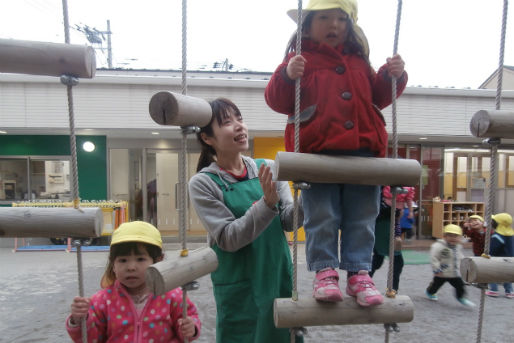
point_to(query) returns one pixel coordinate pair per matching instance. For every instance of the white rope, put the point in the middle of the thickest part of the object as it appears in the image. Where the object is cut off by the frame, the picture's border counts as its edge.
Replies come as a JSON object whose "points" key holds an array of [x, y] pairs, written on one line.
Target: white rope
{"points": [[296, 149], [392, 221], [69, 82], [493, 171], [183, 161]]}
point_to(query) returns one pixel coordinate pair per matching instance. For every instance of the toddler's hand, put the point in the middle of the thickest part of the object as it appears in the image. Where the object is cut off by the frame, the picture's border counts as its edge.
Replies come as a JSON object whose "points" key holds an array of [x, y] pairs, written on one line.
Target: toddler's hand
{"points": [[395, 66], [295, 67], [269, 187], [187, 327], [79, 309]]}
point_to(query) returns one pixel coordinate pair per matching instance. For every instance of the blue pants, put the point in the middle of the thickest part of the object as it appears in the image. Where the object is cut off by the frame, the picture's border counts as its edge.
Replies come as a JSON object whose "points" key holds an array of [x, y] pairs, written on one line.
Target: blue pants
{"points": [[329, 208]]}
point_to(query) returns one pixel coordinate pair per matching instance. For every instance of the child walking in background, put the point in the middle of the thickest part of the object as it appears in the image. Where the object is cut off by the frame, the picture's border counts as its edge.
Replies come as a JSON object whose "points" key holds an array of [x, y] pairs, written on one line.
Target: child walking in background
{"points": [[446, 255], [341, 96], [474, 229], [125, 309], [502, 244]]}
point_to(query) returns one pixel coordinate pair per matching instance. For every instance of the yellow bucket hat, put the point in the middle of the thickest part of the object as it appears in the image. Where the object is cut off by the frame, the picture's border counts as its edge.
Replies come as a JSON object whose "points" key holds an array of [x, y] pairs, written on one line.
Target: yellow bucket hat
{"points": [[348, 6], [137, 231], [504, 221], [452, 228], [476, 216]]}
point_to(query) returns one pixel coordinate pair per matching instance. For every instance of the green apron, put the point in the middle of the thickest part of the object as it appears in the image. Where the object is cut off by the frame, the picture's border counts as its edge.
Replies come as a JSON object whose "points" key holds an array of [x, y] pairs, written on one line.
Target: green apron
{"points": [[248, 280]]}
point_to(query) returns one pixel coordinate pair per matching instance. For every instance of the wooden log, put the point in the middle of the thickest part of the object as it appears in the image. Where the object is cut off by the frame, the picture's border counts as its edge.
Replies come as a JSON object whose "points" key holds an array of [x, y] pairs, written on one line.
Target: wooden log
{"points": [[290, 166], [176, 271], [168, 108], [43, 58], [492, 124], [50, 222], [309, 312], [477, 269]]}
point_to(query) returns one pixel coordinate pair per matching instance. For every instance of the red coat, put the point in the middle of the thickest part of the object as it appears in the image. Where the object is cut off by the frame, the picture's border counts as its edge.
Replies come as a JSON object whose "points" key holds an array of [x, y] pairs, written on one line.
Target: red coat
{"points": [[340, 99]]}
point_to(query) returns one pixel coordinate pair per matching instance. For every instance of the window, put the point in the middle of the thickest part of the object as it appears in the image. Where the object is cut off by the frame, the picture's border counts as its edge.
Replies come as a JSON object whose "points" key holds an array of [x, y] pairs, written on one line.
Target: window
{"points": [[46, 177]]}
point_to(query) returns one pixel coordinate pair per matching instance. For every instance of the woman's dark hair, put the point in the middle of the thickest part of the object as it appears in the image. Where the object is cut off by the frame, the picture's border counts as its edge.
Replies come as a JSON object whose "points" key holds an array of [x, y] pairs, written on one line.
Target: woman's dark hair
{"points": [[351, 45], [221, 108]]}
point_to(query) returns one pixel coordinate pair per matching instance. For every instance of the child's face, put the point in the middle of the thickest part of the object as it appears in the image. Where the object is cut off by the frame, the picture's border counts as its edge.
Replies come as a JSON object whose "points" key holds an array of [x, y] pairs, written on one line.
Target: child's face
{"points": [[130, 270], [329, 27], [452, 238], [475, 223]]}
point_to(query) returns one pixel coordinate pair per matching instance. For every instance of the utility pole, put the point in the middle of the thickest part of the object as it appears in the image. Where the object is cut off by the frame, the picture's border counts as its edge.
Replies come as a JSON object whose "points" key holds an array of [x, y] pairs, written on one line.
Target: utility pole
{"points": [[109, 46], [95, 36]]}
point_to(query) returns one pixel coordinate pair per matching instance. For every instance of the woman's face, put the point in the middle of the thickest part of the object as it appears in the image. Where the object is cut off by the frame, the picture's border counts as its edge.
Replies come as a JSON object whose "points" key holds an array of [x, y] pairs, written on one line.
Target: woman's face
{"points": [[230, 136], [329, 27]]}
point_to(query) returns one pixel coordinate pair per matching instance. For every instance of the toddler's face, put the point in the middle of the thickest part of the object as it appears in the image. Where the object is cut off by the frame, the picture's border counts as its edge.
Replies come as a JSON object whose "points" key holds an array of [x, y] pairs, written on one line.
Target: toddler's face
{"points": [[130, 270], [329, 27], [452, 238], [475, 223]]}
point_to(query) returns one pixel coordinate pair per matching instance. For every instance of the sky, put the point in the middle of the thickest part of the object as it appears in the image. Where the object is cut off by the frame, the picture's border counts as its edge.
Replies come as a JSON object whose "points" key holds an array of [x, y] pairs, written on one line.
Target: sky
{"points": [[445, 43]]}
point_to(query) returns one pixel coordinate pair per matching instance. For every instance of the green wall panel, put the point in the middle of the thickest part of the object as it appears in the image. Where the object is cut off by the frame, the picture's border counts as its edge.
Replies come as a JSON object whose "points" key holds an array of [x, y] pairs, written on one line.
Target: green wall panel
{"points": [[92, 166]]}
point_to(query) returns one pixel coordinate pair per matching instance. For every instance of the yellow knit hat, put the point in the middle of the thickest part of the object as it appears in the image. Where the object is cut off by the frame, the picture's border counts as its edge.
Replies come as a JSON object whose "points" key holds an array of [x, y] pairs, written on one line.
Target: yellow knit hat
{"points": [[452, 228], [348, 6], [137, 231]]}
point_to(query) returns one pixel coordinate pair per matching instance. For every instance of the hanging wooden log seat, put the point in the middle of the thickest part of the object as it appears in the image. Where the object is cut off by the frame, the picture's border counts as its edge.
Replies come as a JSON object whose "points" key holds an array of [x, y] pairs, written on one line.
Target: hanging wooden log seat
{"points": [[291, 166], [43, 58]]}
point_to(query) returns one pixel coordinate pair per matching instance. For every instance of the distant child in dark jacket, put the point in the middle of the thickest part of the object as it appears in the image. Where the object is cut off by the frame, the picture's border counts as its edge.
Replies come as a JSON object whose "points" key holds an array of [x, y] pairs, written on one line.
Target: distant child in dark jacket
{"points": [[446, 255], [502, 244]]}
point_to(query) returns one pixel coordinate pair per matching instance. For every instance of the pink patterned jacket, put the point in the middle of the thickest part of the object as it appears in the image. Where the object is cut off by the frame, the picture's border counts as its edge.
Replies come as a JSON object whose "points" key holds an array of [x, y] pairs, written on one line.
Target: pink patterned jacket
{"points": [[113, 318]]}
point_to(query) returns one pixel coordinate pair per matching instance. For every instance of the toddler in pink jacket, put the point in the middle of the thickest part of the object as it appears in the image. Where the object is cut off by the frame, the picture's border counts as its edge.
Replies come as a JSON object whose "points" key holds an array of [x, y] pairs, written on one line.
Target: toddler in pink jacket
{"points": [[125, 310]]}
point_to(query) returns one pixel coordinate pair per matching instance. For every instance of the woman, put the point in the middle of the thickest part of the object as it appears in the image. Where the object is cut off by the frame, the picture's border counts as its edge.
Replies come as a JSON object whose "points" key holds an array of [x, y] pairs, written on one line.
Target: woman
{"points": [[245, 213]]}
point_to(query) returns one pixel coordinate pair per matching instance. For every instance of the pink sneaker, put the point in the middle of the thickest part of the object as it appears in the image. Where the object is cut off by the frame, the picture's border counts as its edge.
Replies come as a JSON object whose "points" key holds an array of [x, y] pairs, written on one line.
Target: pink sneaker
{"points": [[490, 293], [326, 287], [362, 287], [509, 295]]}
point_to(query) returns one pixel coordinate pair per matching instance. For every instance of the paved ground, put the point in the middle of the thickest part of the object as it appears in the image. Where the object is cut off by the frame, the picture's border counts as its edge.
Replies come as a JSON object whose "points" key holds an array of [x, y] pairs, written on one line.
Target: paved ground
{"points": [[36, 289]]}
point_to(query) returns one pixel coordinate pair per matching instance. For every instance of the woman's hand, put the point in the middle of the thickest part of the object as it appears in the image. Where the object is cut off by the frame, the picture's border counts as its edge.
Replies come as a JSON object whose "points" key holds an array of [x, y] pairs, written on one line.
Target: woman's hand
{"points": [[269, 187], [79, 309], [395, 66], [295, 67], [187, 327]]}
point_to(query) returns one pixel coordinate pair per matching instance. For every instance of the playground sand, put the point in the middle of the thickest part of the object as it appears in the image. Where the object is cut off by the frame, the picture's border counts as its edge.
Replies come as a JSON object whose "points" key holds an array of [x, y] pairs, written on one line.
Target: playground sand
{"points": [[36, 289]]}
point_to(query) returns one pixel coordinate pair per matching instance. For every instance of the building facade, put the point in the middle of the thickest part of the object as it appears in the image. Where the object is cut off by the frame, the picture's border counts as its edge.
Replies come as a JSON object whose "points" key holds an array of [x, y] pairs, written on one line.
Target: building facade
{"points": [[135, 159]]}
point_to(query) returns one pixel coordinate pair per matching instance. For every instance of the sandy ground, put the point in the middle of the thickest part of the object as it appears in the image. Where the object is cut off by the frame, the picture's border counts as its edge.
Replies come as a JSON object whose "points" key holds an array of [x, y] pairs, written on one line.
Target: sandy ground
{"points": [[36, 289]]}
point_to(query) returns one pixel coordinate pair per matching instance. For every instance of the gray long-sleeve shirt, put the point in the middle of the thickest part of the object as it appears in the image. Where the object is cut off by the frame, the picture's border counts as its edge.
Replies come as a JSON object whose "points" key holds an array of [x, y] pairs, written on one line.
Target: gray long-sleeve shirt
{"points": [[229, 233]]}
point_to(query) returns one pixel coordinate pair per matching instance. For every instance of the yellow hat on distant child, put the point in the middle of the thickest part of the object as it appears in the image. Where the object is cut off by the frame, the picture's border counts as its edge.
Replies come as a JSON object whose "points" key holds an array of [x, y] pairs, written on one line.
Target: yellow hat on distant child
{"points": [[504, 221], [452, 228], [476, 216], [137, 231]]}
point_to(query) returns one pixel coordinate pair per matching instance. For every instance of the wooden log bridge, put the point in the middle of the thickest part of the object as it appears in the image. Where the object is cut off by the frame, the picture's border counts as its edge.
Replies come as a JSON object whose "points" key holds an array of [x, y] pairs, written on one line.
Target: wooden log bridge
{"points": [[309, 312], [291, 166], [168, 108], [43, 58], [477, 269], [176, 271], [492, 124], [50, 222]]}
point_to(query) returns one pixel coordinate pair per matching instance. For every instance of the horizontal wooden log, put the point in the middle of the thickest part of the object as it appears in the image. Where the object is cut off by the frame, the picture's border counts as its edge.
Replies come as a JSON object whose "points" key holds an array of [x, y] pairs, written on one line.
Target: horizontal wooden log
{"points": [[43, 58], [50, 222], [477, 269], [492, 124], [290, 166], [168, 108], [309, 312], [176, 271]]}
